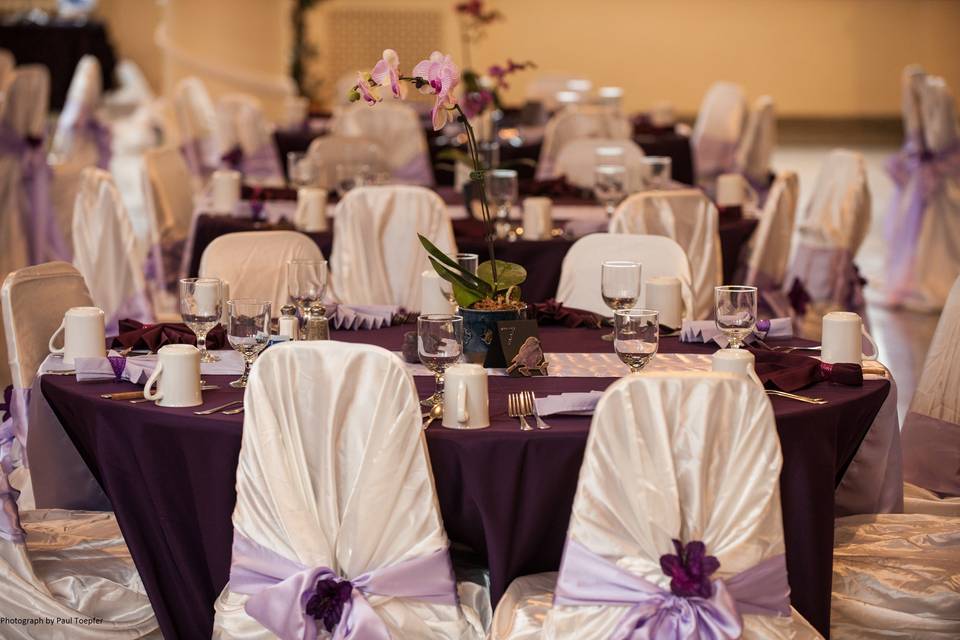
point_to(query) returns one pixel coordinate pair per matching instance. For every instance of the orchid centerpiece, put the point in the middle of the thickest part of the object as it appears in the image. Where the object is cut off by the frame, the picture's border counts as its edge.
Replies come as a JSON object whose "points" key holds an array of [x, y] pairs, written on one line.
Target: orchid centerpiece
{"points": [[495, 286]]}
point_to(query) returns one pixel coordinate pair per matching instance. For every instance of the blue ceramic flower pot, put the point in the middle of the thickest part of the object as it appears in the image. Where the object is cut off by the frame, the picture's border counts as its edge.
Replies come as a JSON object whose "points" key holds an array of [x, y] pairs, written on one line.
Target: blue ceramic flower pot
{"points": [[480, 330]]}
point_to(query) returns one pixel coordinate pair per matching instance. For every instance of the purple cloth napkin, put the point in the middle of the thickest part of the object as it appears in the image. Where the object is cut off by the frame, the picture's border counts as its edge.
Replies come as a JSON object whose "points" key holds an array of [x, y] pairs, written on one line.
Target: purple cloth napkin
{"points": [[791, 371], [553, 312], [137, 335]]}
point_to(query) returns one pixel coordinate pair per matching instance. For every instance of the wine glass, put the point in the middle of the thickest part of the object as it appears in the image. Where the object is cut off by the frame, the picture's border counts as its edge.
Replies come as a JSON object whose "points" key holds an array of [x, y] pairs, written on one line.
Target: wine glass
{"points": [[306, 283], [468, 262], [346, 178], [248, 331], [301, 170], [638, 335], [736, 312], [439, 344], [655, 172], [610, 186], [200, 308], [620, 286], [503, 193]]}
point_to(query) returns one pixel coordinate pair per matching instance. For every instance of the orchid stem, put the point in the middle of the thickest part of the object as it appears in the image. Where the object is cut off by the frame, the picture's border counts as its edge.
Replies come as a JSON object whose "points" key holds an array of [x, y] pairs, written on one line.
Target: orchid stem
{"points": [[478, 169]]}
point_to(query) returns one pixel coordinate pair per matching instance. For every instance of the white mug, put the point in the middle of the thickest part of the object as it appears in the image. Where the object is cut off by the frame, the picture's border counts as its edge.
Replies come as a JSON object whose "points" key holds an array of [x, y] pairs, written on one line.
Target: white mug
{"points": [[736, 361], [432, 298], [465, 401], [83, 335], [537, 218], [663, 294], [731, 190], [177, 377], [311, 213], [842, 338], [225, 187]]}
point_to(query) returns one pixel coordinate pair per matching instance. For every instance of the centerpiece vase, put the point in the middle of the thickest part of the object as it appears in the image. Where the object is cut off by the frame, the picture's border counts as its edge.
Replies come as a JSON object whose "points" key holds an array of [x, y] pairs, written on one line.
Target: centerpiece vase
{"points": [[480, 329]]}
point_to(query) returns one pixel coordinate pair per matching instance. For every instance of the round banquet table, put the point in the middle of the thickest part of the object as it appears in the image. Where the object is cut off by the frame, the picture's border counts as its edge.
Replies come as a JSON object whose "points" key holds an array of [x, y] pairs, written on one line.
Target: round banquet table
{"points": [[505, 493]]}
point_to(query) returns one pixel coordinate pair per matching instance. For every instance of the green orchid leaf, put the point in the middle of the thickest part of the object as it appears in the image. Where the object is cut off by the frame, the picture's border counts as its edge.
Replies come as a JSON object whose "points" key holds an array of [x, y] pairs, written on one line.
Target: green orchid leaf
{"points": [[508, 274], [483, 291], [435, 254], [465, 297]]}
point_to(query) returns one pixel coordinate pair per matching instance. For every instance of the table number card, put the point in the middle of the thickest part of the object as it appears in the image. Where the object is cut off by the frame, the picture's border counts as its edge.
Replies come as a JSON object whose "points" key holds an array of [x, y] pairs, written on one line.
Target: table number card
{"points": [[520, 349]]}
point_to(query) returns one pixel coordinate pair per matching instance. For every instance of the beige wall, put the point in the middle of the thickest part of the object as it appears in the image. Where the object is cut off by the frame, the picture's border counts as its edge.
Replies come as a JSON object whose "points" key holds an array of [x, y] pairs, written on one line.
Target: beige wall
{"points": [[132, 24]]}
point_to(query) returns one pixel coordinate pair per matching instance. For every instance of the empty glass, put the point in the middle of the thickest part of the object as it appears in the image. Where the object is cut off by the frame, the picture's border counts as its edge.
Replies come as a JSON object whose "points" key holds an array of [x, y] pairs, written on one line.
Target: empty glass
{"points": [[248, 331], [439, 344], [301, 170], [638, 336], [306, 283], [502, 185], [610, 186], [655, 173], [620, 284], [736, 312], [468, 262], [200, 308], [489, 154]]}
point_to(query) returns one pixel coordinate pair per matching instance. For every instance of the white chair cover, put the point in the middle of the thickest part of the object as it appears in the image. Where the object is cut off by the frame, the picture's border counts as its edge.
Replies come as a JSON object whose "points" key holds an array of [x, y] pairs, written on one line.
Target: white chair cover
{"points": [[577, 161], [80, 138], [377, 257], [169, 192], [396, 127], [197, 122], [770, 245], [574, 124], [688, 217], [133, 90], [255, 262], [247, 138], [580, 274], [758, 143], [329, 152], [338, 478], [923, 224], [105, 251], [717, 131], [544, 87], [701, 452]]}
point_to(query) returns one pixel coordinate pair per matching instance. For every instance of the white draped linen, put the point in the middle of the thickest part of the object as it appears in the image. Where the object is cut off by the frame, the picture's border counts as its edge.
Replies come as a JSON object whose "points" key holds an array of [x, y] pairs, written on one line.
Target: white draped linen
{"points": [[718, 130], [757, 145], [577, 161], [574, 124], [688, 217], [337, 478], [247, 138], [326, 153], [196, 120], [700, 451], [770, 244], [377, 257], [579, 286], [168, 198], [79, 137]]}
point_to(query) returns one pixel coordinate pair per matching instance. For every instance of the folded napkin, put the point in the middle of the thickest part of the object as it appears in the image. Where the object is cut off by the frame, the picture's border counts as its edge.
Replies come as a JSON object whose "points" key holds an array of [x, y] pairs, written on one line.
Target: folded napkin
{"points": [[706, 330], [137, 335], [361, 316], [574, 403], [791, 371], [553, 312]]}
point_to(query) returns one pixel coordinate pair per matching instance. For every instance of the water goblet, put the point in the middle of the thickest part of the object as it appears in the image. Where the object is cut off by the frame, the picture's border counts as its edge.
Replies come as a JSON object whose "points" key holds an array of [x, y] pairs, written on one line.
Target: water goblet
{"points": [[301, 170], [248, 331], [736, 312], [200, 308], [468, 262], [620, 284], [306, 283], [439, 344], [502, 184], [638, 336], [610, 186]]}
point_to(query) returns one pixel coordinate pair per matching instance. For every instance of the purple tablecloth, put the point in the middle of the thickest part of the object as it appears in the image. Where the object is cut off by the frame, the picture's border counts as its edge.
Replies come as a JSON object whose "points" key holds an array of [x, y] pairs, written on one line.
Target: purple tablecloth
{"points": [[505, 493]]}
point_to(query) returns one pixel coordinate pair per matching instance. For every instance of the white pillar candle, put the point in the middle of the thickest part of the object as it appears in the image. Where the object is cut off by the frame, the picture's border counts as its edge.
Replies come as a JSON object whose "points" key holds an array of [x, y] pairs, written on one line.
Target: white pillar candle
{"points": [[537, 218], [432, 299], [663, 294], [207, 296], [730, 190], [311, 214], [225, 189]]}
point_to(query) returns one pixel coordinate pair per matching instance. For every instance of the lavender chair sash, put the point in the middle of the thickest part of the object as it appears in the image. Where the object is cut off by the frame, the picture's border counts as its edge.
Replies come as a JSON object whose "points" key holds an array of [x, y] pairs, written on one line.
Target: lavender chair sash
{"points": [[931, 453], [46, 242], [587, 579], [102, 138], [285, 595], [13, 428]]}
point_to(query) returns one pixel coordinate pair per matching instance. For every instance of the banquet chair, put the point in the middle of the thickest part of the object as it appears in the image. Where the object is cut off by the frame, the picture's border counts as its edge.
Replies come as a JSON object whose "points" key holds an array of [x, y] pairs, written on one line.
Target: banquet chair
{"points": [[828, 234], [397, 127], [580, 274], [574, 124], [255, 262], [336, 484], [196, 121], [701, 452], [717, 131], [758, 143], [691, 219], [770, 245], [328, 152], [923, 223], [105, 251], [377, 257], [133, 89], [247, 138], [577, 161], [168, 200]]}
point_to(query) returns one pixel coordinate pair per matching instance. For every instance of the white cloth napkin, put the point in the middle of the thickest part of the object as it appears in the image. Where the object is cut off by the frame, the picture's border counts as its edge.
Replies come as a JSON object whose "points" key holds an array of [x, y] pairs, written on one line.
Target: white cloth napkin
{"points": [[572, 403], [361, 316], [706, 330], [138, 368]]}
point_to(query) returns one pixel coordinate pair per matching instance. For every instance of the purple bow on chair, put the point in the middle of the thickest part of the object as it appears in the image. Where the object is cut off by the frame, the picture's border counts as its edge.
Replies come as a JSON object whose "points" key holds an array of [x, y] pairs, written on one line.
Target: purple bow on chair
{"points": [[695, 607], [103, 138], [286, 597]]}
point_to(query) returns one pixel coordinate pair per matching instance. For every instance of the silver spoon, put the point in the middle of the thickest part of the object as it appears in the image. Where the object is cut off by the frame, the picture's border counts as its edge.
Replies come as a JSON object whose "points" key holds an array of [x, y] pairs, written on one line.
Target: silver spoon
{"points": [[436, 411]]}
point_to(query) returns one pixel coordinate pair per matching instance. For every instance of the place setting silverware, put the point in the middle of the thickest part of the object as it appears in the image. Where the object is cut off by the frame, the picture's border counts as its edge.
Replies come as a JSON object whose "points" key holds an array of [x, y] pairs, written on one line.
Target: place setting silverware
{"points": [[794, 396], [211, 411], [516, 408], [530, 403], [135, 397], [436, 411]]}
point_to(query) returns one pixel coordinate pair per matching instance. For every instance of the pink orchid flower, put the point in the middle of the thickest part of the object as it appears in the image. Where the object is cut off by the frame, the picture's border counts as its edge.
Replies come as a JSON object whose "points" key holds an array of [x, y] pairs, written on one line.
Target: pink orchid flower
{"points": [[441, 76], [369, 94], [388, 69]]}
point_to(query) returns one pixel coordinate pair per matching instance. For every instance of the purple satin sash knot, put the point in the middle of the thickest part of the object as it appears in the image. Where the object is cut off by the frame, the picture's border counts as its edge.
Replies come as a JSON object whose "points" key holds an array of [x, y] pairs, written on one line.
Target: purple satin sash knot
{"points": [[286, 596], [103, 139], [587, 579]]}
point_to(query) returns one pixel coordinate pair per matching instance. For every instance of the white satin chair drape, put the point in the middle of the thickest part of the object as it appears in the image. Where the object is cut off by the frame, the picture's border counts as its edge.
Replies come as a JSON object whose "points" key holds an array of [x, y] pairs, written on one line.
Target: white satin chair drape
{"points": [[255, 263], [168, 200], [243, 127], [759, 140], [669, 456], [580, 274], [196, 120], [340, 478], [691, 219], [770, 245], [577, 161], [377, 257], [326, 153], [574, 124], [718, 130]]}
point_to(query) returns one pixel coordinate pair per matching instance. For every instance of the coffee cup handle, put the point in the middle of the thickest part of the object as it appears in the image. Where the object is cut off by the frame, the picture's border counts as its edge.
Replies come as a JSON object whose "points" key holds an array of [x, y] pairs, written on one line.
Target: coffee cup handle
{"points": [[873, 345], [147, 394], [57, 350], [462, 416]]}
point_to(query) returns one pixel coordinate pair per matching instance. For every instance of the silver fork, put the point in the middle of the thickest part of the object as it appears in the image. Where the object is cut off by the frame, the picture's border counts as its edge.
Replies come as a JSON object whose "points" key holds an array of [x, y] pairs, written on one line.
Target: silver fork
{"points": [[207, 412], [793, 396], [515, 409], [530, 403]]}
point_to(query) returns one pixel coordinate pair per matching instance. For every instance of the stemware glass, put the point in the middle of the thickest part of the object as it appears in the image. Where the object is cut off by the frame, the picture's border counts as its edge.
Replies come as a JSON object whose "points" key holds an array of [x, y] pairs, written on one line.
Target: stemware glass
{"points": [[346, 178], [503, 192], [200, 308], [248, 331], [620, 286], [301, 170], [638, 336], [655, 172], [610, 186], [468, 262], [306, 283], [736, 312], [489, 154], [439, 344]]}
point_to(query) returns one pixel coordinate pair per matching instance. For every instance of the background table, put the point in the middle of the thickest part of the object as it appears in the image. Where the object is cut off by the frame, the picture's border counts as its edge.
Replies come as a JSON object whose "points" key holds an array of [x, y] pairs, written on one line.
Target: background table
{"points": [[505, 493]]}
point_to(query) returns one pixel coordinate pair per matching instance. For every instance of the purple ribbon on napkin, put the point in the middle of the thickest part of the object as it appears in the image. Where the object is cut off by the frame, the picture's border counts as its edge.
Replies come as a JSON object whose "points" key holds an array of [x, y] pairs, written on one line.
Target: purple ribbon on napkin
{"points": [[587, 579], [285, 595]]}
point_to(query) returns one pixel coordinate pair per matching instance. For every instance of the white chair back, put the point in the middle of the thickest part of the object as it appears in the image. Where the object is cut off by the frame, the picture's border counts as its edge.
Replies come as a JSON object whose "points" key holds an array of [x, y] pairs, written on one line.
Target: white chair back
{"points": [[580, 274], [770, 247], [134, 88], [691, 219], [910, 80], [396, 126], [718, 129], [938, 390], [197, 123], [838, 212], [938, 112], [758, 142], [26, 101], [255, 262], [168, 192], [329, 152], [575, 124], [242, 123], [338, 478], [377, 257], [73, 142], [577, 161]]}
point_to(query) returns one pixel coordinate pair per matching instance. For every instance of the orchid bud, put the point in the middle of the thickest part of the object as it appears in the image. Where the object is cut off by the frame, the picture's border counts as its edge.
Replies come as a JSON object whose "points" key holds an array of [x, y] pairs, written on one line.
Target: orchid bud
{"points": [[353, 95]]}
